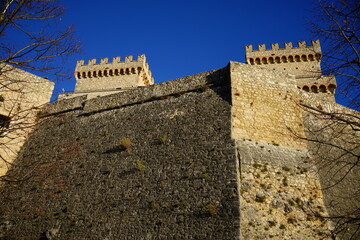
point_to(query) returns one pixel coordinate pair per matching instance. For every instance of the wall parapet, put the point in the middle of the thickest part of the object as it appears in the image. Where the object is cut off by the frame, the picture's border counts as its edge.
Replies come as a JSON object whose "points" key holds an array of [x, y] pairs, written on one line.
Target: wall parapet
{"points": [[313, 49], [314, 44], [139, 95], [115, 60], [114, 68]]}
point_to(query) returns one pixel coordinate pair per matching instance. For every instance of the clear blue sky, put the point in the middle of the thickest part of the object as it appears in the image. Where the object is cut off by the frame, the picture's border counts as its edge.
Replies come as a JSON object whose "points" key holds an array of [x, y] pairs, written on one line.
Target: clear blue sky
{"points": [[185, 37]]}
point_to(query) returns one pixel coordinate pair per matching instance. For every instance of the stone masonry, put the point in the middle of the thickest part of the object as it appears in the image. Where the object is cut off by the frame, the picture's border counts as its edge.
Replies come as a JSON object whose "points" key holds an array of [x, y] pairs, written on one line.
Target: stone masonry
{"points": [[130, 168], [216, 155]]}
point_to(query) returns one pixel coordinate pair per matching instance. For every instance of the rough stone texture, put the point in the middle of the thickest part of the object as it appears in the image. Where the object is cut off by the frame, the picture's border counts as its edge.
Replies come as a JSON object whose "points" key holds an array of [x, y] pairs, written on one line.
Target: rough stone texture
{"points": [[63, 106], [22, 95], [257, 95], [161, 169], [92, 94], [159, 162], [280, 191], [334, 147], [140, 95]]}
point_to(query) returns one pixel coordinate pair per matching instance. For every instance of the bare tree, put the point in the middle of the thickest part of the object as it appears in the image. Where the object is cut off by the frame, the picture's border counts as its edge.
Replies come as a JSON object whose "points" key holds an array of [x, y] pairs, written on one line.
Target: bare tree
{"points": [[333, 131], [33, 39], [337, 24], [32, 36]]}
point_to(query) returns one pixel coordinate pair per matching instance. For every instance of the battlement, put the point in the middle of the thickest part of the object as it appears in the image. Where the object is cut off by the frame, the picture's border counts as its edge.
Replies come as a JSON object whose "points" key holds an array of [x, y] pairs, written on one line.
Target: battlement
{"points": [[115, 61], [314, 47], [116, 67], [302, 61], [289, 54]]}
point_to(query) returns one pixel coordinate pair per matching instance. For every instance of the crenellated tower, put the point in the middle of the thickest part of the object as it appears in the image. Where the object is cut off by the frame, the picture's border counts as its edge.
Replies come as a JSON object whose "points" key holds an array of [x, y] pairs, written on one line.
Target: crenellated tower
{"points": [[99, 79], [302, 61]]}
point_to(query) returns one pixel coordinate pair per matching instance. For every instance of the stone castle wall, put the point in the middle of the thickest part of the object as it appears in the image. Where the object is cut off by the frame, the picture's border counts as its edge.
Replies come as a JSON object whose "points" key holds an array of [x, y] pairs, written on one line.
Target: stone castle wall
{"points": [[160, 162], [151, 163], [92, 94], [334, 147], [281, 195], [280, 188]]}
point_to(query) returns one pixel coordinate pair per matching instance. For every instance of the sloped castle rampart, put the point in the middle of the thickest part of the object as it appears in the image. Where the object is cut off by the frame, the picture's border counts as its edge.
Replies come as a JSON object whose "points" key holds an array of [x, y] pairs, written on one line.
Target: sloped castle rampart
{"points": [[174, 178]]}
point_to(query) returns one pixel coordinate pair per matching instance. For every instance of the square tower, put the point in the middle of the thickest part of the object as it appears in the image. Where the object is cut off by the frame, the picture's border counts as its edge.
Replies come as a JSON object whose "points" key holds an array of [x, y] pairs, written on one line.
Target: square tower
{"points": [[302, 61], [99, 79]]}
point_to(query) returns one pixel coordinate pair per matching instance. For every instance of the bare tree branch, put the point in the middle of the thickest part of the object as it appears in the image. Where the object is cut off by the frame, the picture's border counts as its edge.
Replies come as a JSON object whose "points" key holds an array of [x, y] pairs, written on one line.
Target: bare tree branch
{"points": [[32, 38]]}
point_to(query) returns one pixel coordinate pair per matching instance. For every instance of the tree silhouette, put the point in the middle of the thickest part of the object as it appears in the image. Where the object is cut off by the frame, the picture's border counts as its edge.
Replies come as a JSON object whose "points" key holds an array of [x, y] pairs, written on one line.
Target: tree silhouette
{"points": [[32, 40]]}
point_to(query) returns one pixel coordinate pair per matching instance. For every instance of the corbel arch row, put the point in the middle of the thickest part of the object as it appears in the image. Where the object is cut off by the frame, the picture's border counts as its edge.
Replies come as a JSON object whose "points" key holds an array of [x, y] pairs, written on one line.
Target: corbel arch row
{"points": [[285, 59], [319, 88], [108, 72]]}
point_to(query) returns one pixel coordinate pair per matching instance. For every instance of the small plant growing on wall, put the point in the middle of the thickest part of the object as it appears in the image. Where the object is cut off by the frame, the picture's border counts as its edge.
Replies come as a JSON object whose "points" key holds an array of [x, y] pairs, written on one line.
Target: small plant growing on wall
{"points": [[286, 169], [154, 205], [205, 88], [162, 139], [212, 209], [260, 199], [125, 143], [272, 223], [140, 165]]}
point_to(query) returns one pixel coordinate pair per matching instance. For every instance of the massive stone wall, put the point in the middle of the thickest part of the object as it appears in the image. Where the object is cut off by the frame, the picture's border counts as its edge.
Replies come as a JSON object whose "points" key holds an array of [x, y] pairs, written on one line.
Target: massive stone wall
{"points": [[281, 196], [156, 165], [160, 162], [334, 144]]}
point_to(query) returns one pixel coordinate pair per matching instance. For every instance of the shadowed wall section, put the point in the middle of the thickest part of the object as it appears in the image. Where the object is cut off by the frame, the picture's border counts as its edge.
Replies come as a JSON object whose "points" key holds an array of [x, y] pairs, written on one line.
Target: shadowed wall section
{"points": [[162, 166]]}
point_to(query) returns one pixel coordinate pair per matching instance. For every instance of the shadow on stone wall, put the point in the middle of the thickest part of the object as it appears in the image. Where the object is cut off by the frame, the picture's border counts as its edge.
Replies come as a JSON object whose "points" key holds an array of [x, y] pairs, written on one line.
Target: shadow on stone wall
{"points": [[164, 168], [335, 148]]}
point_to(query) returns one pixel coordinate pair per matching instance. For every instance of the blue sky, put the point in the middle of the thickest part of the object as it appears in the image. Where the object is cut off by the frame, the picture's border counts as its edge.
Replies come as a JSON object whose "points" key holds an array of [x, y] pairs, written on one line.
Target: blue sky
{"points": [[181, 38]]}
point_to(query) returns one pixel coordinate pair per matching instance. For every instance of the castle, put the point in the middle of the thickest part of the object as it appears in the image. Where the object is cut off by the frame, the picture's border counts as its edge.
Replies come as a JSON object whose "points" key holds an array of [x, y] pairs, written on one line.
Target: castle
{"points": [[223, 154]]}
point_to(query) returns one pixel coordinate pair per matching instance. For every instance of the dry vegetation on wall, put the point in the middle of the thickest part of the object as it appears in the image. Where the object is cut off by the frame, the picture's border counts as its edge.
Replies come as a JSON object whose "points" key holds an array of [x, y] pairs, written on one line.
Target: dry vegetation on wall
{"points": [[40, 41]]}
